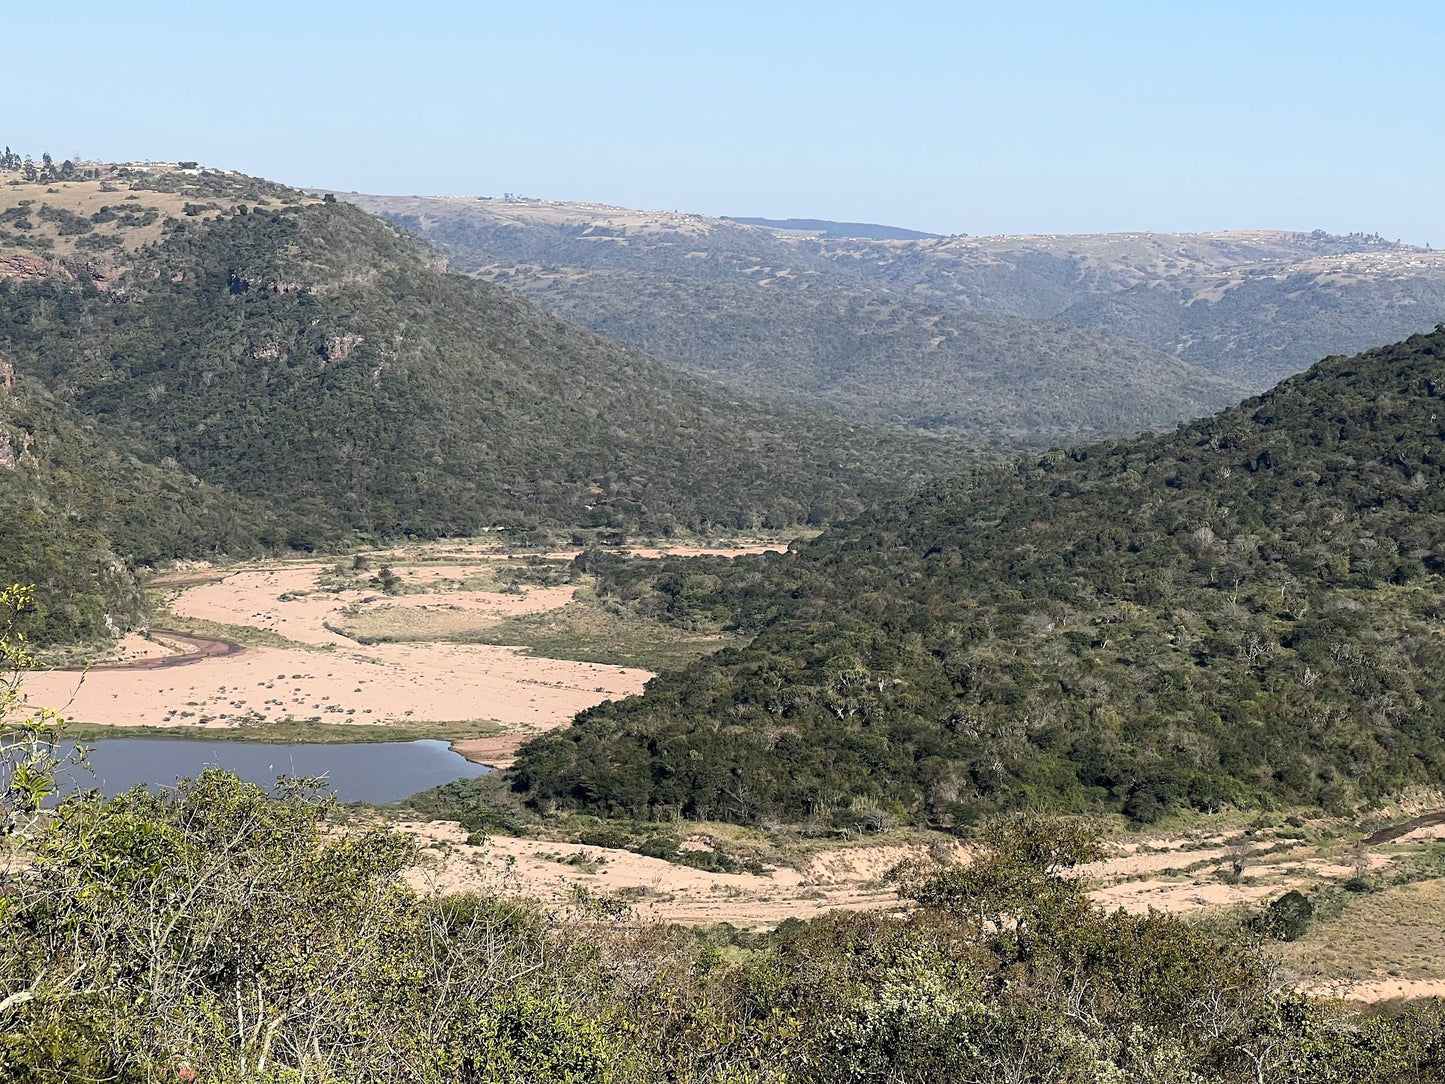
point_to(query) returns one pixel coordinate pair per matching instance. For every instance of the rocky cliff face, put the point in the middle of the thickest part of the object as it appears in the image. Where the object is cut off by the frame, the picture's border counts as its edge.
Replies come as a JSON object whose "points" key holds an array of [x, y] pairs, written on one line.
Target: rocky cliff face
{"points": [[15, 266], [16, 445]]}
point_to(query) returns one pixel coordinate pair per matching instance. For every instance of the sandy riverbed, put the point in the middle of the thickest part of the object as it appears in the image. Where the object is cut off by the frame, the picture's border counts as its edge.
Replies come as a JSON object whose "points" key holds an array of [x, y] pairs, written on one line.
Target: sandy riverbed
{"points": [[324, 676]]}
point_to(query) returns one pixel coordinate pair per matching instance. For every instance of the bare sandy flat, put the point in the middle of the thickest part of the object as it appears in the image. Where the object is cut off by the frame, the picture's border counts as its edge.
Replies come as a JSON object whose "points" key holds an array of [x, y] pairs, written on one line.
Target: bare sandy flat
{"points": [[298, 664], [392, 683], [288, 601], [330, 678]]}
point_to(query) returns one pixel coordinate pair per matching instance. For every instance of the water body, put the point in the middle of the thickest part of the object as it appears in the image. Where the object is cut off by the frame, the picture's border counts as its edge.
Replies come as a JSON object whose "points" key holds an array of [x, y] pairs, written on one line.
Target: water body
{"points": [[373, 772]]}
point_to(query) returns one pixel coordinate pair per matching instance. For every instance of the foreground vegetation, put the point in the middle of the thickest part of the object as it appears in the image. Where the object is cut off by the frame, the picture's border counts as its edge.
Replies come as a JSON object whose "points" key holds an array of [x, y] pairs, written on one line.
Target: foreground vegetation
{"points": [[216, 934], [1241, 613]]}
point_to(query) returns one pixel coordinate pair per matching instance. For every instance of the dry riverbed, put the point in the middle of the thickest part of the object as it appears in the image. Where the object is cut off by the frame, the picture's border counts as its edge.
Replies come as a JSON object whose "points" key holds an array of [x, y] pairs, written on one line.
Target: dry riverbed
{"points": [[300, 647]]}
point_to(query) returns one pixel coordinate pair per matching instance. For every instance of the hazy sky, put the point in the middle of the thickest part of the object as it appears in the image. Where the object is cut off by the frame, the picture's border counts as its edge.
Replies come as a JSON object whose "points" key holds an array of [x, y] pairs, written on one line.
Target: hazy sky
{"points": [[951, 117]]}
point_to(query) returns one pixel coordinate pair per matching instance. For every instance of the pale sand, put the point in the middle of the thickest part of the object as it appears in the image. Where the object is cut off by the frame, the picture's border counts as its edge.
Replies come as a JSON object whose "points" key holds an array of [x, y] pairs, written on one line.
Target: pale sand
{"points": [[134, 647], [388, 683], [656, 890], [1385, 988], [343, 682], [258, 598], [1177, 876]]}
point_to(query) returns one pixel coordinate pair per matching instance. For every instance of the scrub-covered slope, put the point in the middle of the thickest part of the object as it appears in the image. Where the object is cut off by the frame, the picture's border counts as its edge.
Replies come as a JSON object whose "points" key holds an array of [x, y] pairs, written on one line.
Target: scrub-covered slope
{"points": [[307, 355], [780, 313], [1247, 610], [280, 370]]}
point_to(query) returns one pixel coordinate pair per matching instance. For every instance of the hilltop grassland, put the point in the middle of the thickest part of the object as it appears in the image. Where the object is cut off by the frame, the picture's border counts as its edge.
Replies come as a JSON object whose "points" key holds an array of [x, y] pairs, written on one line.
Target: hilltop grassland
{"points": [[111, 217]]}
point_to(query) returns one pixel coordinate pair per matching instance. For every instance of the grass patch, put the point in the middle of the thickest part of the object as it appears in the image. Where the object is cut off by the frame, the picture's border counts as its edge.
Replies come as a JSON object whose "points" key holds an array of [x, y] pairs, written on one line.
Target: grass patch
{"points": [[246, 635], [582, 631], [1394, 931], [412, 624]]}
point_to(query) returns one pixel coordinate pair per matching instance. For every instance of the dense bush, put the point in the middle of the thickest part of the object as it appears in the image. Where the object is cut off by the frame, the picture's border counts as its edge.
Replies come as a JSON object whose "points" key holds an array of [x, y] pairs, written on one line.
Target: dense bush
{"points": [[1241, 612], [299, 376], [310, 358]]}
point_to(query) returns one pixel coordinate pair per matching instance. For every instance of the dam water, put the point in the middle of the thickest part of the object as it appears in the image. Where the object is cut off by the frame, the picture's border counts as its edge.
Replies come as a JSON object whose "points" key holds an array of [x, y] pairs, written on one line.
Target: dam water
{"points": [[371, 772]]}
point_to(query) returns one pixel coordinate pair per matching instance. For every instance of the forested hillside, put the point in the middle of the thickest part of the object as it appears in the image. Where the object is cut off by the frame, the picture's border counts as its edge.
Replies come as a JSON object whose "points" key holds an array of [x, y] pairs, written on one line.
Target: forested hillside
{"points": [[1252, 305], [774, 313], [327, 380], [81, 513], [1245, 611], [878, 357]]}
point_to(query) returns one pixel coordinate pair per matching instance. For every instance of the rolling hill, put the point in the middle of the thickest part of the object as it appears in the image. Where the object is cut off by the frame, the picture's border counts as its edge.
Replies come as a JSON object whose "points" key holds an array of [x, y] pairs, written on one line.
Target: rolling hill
{"points": [[297, 355], [877, 357], [1246, 612], [775, 312], [1166, 326]]}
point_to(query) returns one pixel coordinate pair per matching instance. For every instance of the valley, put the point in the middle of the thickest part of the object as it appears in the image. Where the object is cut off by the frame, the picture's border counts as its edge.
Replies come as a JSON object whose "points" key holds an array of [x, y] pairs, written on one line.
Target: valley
{"points": [[812, 649], [319, 651]]}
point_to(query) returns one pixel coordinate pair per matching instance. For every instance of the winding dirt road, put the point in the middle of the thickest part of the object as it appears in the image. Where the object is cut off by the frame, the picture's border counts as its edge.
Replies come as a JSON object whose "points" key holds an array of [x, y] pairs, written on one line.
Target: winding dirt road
{"points": [[200, 647]]}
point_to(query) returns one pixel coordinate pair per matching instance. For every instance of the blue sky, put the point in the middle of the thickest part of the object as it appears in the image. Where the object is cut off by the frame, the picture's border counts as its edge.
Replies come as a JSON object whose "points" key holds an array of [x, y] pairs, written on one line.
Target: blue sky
{"points": [[952, 117]]}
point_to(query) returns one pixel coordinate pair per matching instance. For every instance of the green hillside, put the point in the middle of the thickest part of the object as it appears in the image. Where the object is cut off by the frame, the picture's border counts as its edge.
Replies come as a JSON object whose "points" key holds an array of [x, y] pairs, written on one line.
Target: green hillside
{"points": [[300, 357], [884, 358], [81, 513], [310, 357], [1245, 611], [1165, 325]]}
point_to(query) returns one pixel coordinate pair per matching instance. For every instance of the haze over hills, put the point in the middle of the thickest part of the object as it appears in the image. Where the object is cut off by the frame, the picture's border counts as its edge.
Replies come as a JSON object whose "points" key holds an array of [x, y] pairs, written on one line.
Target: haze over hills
{"points": [[1243, 612], [769, 311], [824, 228], [297, 353], [1184, 324]]}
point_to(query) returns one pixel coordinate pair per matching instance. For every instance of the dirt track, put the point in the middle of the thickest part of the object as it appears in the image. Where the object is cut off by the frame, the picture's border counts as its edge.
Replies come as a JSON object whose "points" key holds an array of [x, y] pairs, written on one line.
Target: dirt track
{"points": [[1396, 831], [201, 647]]}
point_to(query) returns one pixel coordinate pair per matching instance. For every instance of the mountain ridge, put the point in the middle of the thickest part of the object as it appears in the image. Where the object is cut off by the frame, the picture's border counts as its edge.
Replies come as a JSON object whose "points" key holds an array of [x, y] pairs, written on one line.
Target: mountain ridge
{"points": [[703, 281], [1252, 306]]}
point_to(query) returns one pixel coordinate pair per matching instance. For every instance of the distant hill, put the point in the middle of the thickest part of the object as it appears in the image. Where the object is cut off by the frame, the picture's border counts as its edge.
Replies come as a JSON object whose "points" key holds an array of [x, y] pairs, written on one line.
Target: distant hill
{"points": [[1243, 612], [1255, 306], [821, 226], [773, 312], [297, 355], [882, 357], [1250, 306]]}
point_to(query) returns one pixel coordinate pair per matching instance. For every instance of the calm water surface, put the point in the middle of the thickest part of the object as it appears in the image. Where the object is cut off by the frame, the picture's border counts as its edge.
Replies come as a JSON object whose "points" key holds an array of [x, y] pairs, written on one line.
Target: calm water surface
{"points": [[374, 772]]}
